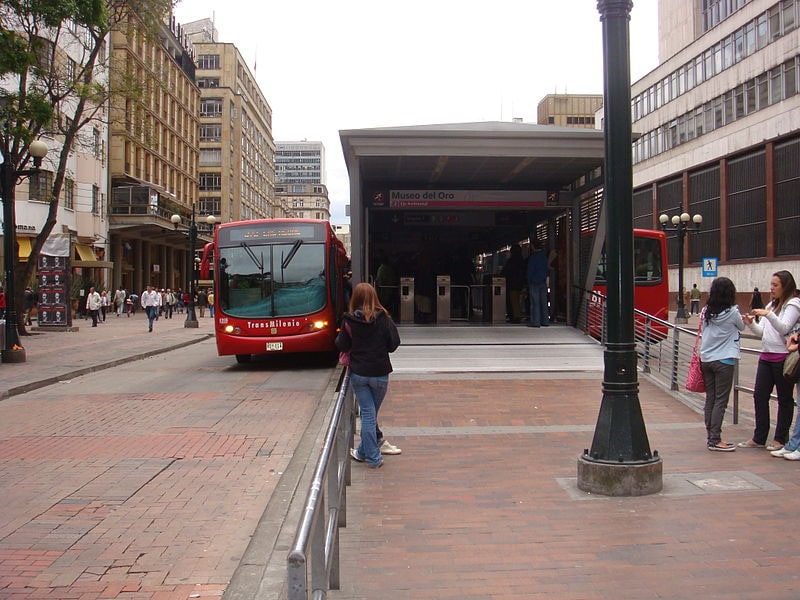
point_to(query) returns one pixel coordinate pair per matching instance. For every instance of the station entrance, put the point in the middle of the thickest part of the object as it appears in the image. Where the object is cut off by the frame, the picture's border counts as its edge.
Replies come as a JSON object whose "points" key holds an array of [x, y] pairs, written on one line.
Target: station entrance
{"points": [[435, 210]]}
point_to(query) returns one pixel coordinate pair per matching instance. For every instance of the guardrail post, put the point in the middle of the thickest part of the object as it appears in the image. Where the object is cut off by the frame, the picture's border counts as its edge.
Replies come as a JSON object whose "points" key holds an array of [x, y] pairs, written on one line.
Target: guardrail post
{"points": [[736, 393], [646, 358], [675, 359]]}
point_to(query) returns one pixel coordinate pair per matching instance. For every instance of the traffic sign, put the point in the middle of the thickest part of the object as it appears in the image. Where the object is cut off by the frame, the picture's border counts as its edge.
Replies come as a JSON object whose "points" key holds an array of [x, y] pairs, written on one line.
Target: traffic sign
{"points": [[709, 267]]}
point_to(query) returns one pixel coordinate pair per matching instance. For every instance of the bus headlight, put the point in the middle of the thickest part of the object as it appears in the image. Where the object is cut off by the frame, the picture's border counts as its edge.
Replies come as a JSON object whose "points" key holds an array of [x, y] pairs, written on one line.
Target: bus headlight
{"points": [[320, 324], [232, 329]]}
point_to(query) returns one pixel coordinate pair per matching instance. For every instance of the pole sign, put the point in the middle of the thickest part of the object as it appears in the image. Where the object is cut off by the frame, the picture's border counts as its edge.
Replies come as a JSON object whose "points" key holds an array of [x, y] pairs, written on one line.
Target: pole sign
{"points": [[709, 267]]}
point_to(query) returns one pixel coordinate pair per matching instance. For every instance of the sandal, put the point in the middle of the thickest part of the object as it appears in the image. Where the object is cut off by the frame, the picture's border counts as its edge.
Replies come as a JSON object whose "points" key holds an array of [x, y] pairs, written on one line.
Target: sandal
{"points": [[772, 446], [722, 447], [749, 444]]}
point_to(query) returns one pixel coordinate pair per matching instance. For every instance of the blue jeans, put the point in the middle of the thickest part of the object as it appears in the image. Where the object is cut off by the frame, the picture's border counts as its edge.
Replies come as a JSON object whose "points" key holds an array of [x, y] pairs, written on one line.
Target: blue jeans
{"points": [[152, 313], [537, 293], [369, 392], [794, 443]]}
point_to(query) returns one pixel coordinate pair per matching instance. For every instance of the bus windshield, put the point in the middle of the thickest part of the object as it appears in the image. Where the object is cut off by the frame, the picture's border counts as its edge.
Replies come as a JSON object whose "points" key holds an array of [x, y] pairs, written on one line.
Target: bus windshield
{"points": [[647, 261], [272, 280]]}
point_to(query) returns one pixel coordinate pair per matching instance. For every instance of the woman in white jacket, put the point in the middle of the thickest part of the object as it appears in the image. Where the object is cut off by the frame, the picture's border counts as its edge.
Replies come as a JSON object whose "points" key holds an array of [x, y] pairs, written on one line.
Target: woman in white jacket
{"points": [[780, 316]]}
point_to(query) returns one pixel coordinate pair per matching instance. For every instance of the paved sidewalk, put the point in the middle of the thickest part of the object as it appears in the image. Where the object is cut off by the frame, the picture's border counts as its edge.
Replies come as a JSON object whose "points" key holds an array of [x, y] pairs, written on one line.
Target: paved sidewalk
{"points": [[53, 356], [483, 502]]}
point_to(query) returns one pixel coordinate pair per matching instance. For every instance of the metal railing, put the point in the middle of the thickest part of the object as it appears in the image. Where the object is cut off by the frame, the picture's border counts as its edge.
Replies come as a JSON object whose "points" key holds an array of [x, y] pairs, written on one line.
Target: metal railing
{"points": [[664, 350], [315, 550]]}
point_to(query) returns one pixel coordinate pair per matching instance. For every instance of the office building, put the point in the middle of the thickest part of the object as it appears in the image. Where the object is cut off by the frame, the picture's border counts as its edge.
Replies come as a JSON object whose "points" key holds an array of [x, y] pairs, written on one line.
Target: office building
{"points": [[719, 127], [569, 110], [300, 162], [237, 150], [304, 200]]}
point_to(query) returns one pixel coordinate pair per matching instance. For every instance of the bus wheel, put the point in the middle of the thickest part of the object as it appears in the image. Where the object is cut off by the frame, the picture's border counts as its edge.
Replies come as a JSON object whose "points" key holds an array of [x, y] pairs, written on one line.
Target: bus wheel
{"points": [[243, 358]]}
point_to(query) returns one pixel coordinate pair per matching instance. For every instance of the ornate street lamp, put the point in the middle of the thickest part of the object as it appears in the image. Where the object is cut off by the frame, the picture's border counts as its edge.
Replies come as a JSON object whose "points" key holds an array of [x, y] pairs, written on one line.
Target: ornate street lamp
{"points": [[191, 234], [681, 225], [620, 462], [12, 351]]}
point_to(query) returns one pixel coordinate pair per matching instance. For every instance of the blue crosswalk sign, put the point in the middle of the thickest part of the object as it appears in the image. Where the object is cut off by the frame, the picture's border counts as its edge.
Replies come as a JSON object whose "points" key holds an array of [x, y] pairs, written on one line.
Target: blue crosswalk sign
{"points": [[709, 267]]}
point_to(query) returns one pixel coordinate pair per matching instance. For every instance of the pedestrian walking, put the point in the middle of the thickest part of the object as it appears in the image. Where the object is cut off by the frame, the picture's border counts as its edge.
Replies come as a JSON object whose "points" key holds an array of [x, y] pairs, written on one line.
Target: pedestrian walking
{"points": [[719, 351], [119, 300], [151, 301], [202, 302], [781, 315], [29, 298], [210, 299], [169, 307], [756, 302], [105, 302], [93, 303], [369, 335]]}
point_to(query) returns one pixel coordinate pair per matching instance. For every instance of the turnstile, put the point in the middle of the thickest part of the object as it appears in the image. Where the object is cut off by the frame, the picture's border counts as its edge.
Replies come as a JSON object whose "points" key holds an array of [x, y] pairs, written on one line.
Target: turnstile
{"points": [[406, 300], [494, 299], [443, 298]]}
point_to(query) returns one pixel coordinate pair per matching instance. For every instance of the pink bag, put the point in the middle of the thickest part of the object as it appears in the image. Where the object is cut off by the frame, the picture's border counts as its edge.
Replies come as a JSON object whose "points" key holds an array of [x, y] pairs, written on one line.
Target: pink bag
{"points": [[344, 357], [694, 375]]}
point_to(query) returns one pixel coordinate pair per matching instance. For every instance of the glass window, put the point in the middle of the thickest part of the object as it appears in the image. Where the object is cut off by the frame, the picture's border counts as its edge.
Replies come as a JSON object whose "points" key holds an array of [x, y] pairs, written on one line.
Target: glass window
{"points": [[276, 280], [211, 107], [776, 84], [788, 8], [208, 61]]}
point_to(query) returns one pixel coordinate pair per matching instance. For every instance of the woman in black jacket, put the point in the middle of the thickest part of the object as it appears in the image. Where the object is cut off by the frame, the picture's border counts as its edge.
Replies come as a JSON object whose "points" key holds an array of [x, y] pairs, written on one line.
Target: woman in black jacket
{"points": [[369, 335]]}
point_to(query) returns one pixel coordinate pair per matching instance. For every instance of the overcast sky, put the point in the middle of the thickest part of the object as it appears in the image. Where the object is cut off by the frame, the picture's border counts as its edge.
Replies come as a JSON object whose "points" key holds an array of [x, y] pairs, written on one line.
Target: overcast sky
{"points": [[325, 66]]}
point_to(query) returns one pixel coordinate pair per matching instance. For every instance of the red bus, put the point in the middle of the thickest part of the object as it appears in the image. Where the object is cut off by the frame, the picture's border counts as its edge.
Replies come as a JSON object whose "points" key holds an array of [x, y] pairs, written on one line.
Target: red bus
{"points": [[651, 277], [279, 286]]}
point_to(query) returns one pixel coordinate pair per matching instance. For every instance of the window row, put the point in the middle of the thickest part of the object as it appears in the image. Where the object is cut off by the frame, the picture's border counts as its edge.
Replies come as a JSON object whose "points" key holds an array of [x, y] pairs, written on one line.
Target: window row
{"points": [[756, 94], [716, 11], [770, 25]]}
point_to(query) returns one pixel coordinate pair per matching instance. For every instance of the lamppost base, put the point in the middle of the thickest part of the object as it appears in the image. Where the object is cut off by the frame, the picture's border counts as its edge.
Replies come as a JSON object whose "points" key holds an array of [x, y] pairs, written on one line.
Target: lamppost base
{"points": [[620, 479], [192, 323], [13, 355], [681, 318]]}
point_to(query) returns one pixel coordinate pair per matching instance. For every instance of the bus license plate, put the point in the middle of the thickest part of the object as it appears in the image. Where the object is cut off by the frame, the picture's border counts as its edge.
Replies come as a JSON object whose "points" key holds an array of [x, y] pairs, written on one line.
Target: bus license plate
{"points": [[274, 346]]}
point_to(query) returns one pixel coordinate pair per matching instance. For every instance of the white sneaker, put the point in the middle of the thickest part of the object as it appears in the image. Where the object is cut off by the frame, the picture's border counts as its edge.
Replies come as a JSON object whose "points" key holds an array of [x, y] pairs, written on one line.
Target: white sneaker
{"points": [[387, 448], [792, 455], [781, 452]]}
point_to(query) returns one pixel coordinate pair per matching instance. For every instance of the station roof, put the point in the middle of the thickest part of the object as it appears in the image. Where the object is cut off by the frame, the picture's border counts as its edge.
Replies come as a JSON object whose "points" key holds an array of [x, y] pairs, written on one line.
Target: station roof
{"points": [[493, 154]]}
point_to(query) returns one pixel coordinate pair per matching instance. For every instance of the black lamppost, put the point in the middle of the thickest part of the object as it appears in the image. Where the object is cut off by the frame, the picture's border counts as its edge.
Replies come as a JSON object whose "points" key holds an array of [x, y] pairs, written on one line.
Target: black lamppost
{"points": [[191, 234], [12, 351], [681, 225], [619, 462]]}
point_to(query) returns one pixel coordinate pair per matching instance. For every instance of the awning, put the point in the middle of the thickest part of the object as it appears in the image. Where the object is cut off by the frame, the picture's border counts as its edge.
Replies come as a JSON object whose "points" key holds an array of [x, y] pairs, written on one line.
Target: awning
{"points": [[25, 247], [85, 253]]}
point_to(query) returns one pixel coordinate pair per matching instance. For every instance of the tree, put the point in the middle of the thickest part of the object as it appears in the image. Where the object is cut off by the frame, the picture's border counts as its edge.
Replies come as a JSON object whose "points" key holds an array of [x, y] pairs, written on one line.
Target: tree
{"points": [[54, 74]]}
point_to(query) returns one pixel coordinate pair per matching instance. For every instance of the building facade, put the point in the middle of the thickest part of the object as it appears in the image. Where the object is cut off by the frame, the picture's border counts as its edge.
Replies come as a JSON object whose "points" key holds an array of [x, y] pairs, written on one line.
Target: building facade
{"points": [[569, 110], [300, 162], [719, 127], [153, 154], [304, 200], [237, 150]]}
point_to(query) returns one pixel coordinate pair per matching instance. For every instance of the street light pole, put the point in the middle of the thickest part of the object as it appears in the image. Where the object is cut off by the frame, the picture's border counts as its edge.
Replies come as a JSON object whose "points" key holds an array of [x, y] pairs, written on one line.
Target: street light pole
{"points": [[191, 234], [680, 225], [12, 351]]}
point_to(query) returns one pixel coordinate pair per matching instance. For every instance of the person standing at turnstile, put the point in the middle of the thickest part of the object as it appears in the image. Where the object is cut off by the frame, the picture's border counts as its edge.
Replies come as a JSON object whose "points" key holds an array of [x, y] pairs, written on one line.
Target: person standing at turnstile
{"points": [[514, 272], [537, 285]]}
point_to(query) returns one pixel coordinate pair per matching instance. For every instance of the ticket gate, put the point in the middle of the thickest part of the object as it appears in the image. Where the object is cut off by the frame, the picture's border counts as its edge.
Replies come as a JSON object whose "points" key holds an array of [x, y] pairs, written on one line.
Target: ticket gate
{"points": [[443, 299], [494, 299], [407, 300]]}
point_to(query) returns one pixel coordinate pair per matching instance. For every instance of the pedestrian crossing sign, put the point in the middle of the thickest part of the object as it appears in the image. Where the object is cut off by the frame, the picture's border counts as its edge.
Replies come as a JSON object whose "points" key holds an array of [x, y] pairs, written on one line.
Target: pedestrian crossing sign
{"points": [[709, 267]]}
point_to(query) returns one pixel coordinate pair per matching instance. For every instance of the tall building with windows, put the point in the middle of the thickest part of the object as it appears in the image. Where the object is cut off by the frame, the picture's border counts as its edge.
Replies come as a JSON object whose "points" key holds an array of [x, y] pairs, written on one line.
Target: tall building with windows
{"points": [[719, 126], [304, 200], [237, 151], [569, 110], [153, 154], [300, 162]]}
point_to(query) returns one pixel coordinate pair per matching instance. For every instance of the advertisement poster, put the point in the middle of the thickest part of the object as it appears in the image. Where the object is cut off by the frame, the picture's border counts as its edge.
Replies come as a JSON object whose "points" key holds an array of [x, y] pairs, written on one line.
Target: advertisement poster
{"points": [[54, 301]]}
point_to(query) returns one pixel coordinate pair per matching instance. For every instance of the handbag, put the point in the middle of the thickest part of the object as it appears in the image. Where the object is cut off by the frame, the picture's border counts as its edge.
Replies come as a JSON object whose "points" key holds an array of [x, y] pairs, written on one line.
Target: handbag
{"points": [[791, 367], [694, 375], [344, 357]]}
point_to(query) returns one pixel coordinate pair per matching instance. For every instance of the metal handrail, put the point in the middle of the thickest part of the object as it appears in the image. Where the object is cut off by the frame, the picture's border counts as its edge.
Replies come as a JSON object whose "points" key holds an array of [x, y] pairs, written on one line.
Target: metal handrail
{"points": [[664, 349], [316, 542]]}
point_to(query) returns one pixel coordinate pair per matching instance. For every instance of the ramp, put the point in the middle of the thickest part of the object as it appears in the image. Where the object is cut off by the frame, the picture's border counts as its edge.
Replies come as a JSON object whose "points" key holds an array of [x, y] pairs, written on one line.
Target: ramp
{"points": [[495, 349]]}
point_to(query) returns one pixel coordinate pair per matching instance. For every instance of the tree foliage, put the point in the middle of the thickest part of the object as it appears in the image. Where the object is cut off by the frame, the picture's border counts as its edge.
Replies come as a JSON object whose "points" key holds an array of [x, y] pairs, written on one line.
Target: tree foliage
{"points": [[54, 74]]}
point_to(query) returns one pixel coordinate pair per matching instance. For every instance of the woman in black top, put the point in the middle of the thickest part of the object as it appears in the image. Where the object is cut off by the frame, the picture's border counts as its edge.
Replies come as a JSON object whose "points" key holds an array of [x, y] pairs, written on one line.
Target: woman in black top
{"points": [[369, 335]]}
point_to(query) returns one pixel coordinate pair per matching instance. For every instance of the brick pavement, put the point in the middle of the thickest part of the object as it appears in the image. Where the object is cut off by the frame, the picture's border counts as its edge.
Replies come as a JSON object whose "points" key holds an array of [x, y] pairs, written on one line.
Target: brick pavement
{"points": [[483, 503]]}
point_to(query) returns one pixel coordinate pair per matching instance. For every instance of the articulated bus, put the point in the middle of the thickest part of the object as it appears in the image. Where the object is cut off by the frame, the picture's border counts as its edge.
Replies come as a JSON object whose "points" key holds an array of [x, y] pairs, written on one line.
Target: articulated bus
{"points": [[279, 286], [651, 281]]}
